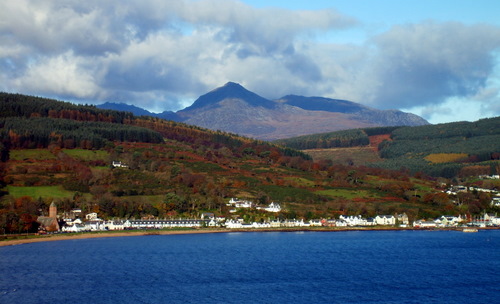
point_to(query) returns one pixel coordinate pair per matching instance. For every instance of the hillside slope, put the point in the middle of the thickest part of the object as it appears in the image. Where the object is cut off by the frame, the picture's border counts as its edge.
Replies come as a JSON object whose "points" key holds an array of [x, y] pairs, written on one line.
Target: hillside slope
{"points": [[448, 150], [183, 173]]}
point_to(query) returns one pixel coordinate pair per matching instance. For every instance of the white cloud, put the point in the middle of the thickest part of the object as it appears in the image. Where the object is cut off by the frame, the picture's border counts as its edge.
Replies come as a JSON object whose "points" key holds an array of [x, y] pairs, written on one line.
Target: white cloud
{"points": [[158, 54], [63, 75], [427, 63]]}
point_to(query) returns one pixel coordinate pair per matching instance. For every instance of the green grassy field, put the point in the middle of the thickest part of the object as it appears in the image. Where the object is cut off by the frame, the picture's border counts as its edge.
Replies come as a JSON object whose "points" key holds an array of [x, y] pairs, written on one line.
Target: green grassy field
{"points": [[40, 191], [35, 154]]}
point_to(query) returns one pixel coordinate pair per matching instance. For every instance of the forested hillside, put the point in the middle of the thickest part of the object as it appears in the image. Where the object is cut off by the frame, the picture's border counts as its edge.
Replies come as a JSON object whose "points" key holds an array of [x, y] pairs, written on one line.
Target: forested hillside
{"points": [[34, 122], [56, 151], [446, 150], [18, 105], [338, 139]]}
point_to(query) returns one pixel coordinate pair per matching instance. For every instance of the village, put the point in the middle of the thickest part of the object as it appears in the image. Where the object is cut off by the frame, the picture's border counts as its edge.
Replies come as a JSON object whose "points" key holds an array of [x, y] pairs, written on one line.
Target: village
{"points": [[75, 221]]}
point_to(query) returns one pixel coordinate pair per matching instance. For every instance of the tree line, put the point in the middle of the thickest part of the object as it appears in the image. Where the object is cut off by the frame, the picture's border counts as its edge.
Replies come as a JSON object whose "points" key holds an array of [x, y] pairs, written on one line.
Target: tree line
{"points": [[337, 139], [18, 105], [463, 129], [38, 132]]}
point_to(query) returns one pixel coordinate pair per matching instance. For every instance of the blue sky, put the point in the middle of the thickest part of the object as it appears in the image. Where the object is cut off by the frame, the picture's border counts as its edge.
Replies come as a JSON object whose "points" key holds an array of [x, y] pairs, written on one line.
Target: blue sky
{"points": [[439, 59]]}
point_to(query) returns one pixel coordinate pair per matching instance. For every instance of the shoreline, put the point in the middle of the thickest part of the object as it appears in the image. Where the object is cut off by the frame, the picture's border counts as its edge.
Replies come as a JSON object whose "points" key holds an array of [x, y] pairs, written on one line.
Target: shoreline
{"points": [[90, 235]]}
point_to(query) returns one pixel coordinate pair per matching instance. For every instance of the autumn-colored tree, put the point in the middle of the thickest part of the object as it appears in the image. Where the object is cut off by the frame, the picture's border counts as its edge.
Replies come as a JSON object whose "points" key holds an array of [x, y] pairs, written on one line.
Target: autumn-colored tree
{"points": [[439, 198]]}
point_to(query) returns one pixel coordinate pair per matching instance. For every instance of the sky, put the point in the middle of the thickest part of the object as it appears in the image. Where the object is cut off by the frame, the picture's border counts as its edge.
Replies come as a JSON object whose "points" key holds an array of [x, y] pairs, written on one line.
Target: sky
{"points": [[437, 59]]}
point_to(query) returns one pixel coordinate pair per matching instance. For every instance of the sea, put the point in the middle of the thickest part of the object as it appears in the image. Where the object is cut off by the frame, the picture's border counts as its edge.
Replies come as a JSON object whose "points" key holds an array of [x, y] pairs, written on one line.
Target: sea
{"points": [[258, 267]]}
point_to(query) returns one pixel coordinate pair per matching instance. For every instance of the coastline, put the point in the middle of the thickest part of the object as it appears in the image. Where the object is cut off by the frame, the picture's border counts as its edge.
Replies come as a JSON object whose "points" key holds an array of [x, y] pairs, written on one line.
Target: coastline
{"points": [[89, 235]]}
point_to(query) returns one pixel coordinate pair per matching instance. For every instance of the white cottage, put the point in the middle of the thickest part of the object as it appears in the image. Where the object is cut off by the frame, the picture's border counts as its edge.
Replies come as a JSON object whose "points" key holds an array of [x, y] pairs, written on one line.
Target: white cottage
{"points": [[273, 207], [385, 220]]}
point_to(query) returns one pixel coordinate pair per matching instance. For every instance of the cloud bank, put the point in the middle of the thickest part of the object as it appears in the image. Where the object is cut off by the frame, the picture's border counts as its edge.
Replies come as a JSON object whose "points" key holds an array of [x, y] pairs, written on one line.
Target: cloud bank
{"points": [[161, 55]]}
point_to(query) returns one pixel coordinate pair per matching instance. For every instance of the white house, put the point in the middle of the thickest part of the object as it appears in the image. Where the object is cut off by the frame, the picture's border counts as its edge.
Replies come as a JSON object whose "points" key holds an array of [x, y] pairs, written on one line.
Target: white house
{"points": [[273, 207], [275, 224], [74, 228], [495, 221], [385, 220], [315, 223], [293, 223], [337, 223], [233, 224], [118, 164], [352, 220], [260, 225], [403, 219], [240, 203], [70, 222], [114, 225], [448, 221], [94, 225]]}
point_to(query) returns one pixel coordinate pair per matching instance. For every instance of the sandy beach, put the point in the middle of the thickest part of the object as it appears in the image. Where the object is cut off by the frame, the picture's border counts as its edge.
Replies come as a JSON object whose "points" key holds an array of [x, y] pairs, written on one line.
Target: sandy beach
{"points": [[70, 236]]}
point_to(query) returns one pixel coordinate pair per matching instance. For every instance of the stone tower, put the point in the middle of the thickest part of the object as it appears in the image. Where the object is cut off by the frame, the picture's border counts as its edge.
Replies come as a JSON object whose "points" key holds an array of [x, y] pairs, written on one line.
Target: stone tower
{"points": [[53, 210]]}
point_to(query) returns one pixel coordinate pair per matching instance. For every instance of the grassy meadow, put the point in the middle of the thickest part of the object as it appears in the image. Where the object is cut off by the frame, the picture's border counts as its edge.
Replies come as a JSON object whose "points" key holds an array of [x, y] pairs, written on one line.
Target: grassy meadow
{"points": [[40, 191]]}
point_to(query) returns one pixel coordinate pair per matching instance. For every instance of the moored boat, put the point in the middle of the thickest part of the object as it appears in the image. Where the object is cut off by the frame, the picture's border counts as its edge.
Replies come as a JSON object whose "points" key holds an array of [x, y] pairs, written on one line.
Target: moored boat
{"points": [[470, 230]]}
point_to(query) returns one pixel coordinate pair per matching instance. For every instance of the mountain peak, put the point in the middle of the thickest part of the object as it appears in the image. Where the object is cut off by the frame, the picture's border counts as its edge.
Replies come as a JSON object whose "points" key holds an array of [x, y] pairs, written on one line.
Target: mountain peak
{"points": [[230, 90], [230, 84]]}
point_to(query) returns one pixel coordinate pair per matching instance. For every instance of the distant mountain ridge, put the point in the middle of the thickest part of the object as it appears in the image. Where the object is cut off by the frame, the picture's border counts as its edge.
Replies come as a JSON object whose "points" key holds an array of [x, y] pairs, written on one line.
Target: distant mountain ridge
{"points": [[322, 104], [232, 108], [126, 108], [169, 115]]}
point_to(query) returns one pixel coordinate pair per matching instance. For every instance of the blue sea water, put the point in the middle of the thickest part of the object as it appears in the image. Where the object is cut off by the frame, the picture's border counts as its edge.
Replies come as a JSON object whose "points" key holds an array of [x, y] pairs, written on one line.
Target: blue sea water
{"points": [[258, 267]]}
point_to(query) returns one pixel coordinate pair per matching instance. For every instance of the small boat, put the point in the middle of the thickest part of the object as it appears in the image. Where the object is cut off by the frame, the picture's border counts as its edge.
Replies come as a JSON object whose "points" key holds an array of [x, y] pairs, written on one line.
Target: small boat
{"points": [[470, 230]]}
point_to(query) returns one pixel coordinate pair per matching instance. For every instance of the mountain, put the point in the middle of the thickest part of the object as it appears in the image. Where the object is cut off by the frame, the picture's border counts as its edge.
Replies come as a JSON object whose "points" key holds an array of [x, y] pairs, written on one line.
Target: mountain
{"points": [[125, 108], [358, 111], [230, 90], [234, 109], [169, 115], [322, 104]]}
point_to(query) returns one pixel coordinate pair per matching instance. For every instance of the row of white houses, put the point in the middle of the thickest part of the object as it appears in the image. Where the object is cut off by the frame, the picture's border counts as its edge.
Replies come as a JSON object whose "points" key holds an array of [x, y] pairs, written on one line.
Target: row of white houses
{"points": [[100, 225], [342, 221], [400, 220], [487, 220], [456, 189], [209, 220]]}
